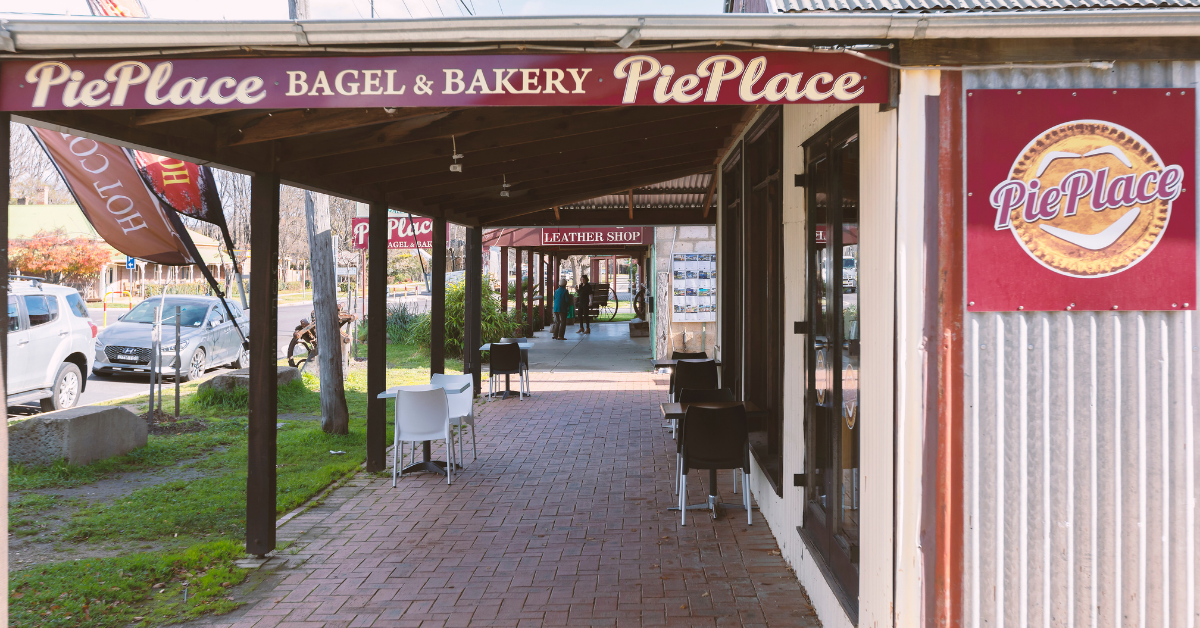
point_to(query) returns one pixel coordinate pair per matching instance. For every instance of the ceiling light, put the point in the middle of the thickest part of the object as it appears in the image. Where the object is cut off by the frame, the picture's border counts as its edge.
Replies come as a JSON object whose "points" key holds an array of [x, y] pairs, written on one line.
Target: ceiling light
{"points": [[504, 188], [455, 167]]}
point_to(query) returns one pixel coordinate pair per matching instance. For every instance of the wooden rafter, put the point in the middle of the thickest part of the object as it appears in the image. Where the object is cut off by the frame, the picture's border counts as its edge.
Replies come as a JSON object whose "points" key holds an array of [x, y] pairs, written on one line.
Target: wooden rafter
{"points": [[156, 116], [712, 186], [631, 203], [308, 122]]}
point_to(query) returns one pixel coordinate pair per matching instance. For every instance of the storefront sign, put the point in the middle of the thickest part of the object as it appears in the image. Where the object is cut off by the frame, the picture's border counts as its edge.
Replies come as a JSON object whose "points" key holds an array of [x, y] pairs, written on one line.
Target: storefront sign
{"points": [[400, 234], [444, 81], [586, 236], [1081, 199]]}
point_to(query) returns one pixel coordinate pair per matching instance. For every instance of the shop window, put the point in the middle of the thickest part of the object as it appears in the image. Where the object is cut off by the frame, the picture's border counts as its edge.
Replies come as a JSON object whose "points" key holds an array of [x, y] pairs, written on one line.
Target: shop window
{"points": [[730, 291], [762, 278], [832, 478]]}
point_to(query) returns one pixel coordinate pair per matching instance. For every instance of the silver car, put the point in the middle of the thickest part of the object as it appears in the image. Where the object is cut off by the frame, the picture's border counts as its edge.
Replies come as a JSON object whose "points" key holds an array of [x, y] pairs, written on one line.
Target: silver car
{"points": [[207, 338]]}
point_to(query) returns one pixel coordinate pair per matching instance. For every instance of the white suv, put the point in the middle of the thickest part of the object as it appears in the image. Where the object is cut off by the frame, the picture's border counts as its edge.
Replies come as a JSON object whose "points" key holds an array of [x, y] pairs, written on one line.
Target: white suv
{"points": [[50, 340]]}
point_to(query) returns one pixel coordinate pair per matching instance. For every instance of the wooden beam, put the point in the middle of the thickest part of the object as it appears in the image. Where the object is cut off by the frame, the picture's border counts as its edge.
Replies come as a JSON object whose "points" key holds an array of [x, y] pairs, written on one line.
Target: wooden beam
{"points": [[1044, 50], [264, 402], [581, 160], [609, 181], [602, 218], [304, 122], [459, 122], [437, 305], [377, 252], [550, 173], [631, 203], [609, 125], [473, 332], [565, 195], [556, 216], [156, 116], [712, 186]]}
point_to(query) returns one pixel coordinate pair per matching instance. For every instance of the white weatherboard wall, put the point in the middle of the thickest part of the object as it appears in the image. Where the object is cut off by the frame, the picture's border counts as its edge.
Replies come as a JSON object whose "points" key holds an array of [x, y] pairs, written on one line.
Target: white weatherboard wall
{"points": [[877, 277], [1080, 445]]}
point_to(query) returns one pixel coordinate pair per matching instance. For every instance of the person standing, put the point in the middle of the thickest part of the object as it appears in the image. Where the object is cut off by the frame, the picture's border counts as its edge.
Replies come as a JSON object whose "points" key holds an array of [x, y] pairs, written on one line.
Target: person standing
{"points": [[583, 305], [562, 303]]}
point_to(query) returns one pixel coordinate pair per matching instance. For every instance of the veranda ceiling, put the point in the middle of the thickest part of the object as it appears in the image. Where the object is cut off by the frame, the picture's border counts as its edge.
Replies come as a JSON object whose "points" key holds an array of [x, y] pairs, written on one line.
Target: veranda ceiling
{"points": [[550, 156]]}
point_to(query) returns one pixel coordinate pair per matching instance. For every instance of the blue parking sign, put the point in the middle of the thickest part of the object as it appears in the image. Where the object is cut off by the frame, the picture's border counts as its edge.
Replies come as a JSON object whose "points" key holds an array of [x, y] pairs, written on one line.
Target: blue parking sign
{"points": [[130, 263]]}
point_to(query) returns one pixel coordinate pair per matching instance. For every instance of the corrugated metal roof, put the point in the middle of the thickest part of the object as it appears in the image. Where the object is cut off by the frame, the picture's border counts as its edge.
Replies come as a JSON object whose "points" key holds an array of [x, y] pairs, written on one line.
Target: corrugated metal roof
{"points": [[682, 193], [803, 6]]}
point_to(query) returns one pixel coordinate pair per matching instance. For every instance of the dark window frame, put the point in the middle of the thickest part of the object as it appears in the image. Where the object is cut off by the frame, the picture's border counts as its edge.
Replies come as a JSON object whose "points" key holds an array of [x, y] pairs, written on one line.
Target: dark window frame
{"points": [[731, 270], [763, 288], [838, 561]]}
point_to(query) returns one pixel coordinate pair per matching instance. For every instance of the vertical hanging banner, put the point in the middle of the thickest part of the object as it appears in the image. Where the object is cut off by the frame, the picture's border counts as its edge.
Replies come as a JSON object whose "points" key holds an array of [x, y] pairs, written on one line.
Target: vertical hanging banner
{"points": [[111, 195], [1081, 199]]}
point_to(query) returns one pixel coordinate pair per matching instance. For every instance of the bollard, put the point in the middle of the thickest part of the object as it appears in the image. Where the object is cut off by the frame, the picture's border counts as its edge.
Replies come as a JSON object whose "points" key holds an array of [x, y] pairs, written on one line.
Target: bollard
{"points": [[178, 360]]}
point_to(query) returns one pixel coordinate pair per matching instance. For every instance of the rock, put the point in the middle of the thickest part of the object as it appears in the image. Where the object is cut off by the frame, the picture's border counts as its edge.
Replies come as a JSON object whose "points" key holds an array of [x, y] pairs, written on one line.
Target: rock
{"points": [[227, 382], [639, 329], [80, 435]]}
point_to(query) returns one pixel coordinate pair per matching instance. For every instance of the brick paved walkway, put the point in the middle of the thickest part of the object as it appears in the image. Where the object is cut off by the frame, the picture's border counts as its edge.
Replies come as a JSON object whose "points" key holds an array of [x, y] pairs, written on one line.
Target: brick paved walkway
{"points": [[561, 522]]}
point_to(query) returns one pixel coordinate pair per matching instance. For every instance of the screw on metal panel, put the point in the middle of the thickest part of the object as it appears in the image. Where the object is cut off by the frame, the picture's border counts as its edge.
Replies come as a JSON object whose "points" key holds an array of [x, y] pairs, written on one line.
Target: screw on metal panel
{"points": [[970, 194], [1018, 91], [1168, 93], [1072, 93], [1174, 305], [1031, 347], [971, 303], [983, 346], [1114, 307], [1020, 307]]}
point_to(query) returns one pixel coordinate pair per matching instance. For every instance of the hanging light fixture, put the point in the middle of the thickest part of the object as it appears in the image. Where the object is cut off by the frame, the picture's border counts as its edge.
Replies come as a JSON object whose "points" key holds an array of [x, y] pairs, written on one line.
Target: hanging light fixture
{"points": [[455, 167], [504, 188]]}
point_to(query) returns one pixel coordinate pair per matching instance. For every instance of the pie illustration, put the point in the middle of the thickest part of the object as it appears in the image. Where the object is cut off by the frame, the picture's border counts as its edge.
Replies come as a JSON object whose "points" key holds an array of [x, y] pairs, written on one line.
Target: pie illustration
{"points": [[1089, 243]]}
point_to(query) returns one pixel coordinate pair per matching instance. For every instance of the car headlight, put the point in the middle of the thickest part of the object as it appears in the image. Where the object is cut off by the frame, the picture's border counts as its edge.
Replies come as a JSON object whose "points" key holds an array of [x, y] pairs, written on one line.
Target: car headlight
{"points": [[171, 348]]}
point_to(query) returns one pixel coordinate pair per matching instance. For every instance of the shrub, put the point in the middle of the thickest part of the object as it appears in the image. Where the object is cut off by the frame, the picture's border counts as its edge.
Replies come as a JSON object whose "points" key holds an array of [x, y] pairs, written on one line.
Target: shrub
{"points": [[400, 321], [495, 324]]}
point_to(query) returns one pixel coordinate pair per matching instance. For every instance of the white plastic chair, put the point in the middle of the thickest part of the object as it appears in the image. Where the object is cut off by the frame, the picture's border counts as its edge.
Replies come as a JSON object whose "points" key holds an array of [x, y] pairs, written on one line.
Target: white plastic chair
{"points": [[422, 416], [462, 407]]}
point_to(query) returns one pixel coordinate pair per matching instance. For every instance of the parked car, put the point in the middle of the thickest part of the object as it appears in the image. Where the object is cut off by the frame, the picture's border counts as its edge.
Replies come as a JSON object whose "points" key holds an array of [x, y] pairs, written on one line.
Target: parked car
{"points": [[207, 339], [49, 344], [849, 274]]}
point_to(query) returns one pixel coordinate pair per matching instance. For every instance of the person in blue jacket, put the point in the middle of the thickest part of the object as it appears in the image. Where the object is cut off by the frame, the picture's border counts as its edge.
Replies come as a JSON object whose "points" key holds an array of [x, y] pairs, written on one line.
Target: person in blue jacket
{"points": [[562, 302]]}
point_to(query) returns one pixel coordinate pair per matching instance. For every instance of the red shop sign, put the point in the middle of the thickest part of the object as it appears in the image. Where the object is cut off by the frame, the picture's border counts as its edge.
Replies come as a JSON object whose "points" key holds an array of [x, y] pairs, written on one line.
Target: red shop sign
{"points": [[1081, 199], [585, 236], [675, 78], [400, 234]]}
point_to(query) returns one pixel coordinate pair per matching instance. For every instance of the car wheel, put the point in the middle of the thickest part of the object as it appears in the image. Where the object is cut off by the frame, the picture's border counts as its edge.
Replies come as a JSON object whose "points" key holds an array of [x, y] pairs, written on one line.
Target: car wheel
{"points": [[195, 367], [67, 385], [243, 359]]}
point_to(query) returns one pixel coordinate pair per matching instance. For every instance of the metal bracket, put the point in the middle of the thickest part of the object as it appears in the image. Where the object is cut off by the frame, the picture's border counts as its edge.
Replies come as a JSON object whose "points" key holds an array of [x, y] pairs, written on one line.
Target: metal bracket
{"points": [[800, 180], [800, 327]]}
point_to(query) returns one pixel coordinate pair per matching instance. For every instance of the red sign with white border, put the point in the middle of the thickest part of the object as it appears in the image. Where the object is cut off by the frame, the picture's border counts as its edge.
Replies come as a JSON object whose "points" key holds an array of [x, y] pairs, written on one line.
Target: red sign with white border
{"points": [[400, 234], [1081, 199], [591, 236]]}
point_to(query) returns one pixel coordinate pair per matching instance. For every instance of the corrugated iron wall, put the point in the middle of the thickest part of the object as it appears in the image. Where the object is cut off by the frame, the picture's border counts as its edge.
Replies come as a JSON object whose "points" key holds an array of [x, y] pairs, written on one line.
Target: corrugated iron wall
{"points": [[1080, 445]]}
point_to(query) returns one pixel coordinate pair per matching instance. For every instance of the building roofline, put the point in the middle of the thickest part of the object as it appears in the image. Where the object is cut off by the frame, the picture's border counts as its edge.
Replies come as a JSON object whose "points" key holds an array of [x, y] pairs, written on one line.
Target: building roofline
{"points": [[78, 36]]}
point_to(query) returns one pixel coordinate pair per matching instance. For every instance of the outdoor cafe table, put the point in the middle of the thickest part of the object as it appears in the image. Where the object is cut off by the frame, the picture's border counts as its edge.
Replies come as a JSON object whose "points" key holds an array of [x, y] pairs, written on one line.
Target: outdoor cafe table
{"points": [[525, 347], [435, 466], [677, 410]]}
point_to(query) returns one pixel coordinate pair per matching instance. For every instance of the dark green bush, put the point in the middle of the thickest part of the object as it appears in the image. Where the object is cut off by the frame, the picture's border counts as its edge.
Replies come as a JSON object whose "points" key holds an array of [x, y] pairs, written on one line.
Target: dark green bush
{"points": [[495, 324]]}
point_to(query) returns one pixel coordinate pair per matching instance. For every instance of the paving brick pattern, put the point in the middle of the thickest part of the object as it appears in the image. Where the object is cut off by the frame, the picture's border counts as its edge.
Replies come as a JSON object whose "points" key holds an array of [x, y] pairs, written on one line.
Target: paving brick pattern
{"points": [[562, 521]]}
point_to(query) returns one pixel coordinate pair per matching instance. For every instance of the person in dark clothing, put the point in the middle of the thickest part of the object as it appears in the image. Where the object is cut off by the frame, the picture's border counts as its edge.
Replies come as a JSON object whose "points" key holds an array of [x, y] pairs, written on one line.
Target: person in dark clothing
{"points": [[583, 304], [562, 304]]}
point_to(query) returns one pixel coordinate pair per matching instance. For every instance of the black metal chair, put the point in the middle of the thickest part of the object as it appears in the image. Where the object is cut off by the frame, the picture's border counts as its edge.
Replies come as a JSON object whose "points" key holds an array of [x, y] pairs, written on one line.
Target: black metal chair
{"points": [[683, 355], [505, 360], [524, 355], [692, 395], [698, 374], [713, 439]]}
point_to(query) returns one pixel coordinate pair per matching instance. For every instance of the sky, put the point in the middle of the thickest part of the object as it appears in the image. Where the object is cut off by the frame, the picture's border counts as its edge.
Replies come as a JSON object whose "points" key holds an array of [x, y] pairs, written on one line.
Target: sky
{"points": [[361, 9]]}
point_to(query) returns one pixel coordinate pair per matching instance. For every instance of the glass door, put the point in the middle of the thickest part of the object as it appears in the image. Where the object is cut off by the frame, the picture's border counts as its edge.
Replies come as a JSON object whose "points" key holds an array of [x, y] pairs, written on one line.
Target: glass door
{"points": [[831, 519]]}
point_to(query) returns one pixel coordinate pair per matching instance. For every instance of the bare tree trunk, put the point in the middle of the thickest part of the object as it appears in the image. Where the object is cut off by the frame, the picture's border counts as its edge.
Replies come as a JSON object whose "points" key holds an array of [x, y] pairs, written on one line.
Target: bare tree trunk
{"points": [[335, 417]]}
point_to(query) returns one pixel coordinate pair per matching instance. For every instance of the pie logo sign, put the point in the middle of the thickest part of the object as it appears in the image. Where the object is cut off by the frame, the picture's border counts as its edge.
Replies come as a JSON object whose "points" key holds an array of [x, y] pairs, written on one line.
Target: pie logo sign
{"points": [[1087, 198]]}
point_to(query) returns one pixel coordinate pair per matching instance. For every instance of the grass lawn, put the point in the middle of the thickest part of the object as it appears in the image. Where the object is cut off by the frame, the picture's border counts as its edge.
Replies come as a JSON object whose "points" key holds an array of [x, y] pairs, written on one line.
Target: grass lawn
{"points": [[196, 526]]}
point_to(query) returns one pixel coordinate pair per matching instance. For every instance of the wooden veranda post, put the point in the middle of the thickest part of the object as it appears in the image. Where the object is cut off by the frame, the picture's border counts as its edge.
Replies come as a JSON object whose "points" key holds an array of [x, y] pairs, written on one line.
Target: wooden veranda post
{"points": [[260, 471], [437, 309], [504, 279], [5, 184], [529, 292], [542, 289], [377, 244], [474, 328], [518, 302]]}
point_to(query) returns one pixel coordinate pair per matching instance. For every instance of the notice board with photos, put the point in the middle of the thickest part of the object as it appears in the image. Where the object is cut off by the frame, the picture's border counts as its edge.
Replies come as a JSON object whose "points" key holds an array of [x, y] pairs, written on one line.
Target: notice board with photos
{"points": [[1081, 199], [694, 287]]}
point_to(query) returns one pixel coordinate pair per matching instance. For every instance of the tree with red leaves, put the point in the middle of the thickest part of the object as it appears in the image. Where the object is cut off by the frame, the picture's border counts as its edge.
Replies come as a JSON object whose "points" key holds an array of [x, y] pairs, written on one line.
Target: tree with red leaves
{"points": [[57, 257]]}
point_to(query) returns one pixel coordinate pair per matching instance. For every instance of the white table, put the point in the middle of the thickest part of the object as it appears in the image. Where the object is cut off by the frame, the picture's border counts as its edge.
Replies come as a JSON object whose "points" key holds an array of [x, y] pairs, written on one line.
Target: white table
{"points": [[525, 347], [436, 466]]}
